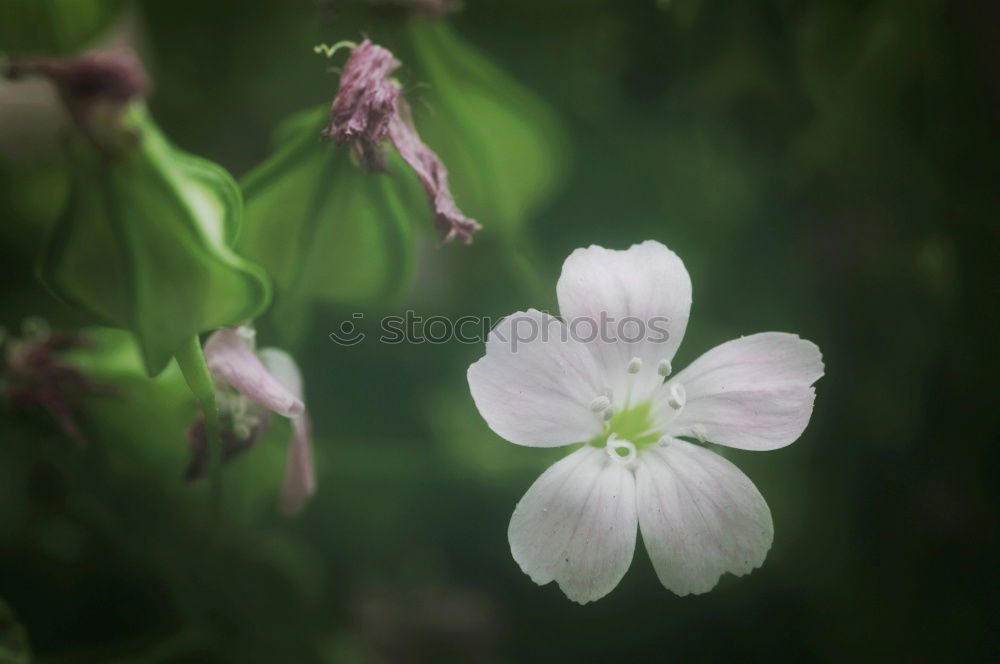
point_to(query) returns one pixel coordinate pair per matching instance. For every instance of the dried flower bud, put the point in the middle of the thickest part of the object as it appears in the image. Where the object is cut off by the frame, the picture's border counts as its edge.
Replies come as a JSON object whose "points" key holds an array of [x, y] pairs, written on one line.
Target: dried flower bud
{"points": [[365, 104], [233, 444], [36, 379], [107, 79]]}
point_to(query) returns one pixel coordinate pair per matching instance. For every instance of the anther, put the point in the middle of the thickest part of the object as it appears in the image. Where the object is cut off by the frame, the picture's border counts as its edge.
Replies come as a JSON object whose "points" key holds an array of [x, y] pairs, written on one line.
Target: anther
{"points": [[634, 365], [600, 404], [700, 433], [678, 396], [664, 368], [616, 447], [247, 333]]}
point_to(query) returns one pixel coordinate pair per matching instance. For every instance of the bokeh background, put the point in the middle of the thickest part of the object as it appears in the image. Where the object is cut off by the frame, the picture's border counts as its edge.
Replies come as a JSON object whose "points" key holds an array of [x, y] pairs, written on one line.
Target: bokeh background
{"points": [[823, 168]]}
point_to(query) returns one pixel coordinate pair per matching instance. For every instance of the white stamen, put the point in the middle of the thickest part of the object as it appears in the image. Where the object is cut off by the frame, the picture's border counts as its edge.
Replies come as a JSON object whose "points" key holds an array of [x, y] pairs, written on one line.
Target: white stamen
{"points": [[609, 413], [246, 333], [662, 442], [600, 404], [700, 433], [678, 396], [664, 368], [634, 365], [616, 445]]}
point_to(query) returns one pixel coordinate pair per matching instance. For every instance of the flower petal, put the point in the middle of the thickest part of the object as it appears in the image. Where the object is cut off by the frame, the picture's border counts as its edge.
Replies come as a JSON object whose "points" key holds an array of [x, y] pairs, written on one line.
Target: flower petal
{"points": [[576, 525], [700, 517], [535, 386], [300, 475], [283, 368], [230, 358], [634, 303], [752, 393]]}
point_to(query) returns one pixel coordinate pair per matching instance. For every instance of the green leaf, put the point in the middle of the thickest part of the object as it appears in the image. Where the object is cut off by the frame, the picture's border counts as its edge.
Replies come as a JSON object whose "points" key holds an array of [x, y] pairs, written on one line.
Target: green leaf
{"points": [[145, 245], [505, 150], [323, 229]]}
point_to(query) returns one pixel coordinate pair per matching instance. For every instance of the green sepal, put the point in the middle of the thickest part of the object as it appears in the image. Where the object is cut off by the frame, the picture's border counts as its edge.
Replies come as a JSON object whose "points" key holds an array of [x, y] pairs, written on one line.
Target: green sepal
{"points": [[324, 230], [146, 241], [504, 148]]}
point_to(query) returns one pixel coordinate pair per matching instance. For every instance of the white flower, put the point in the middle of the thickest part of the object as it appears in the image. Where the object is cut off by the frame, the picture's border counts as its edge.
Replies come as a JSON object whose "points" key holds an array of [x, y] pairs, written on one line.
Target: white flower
{"points": [[700, 517]]}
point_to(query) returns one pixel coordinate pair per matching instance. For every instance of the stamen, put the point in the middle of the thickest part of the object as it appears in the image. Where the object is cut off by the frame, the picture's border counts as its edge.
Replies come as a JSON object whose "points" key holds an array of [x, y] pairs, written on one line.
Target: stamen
{"points": [[634, 365], [609, 413], [678, 396], [600, 404], [664, 368], [247, 333], [615, 447], [700, 433]]}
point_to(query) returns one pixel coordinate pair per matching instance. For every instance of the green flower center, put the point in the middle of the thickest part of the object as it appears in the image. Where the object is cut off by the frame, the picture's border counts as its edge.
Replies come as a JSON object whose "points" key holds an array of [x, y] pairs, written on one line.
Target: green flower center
{"points": [[634, 425]]}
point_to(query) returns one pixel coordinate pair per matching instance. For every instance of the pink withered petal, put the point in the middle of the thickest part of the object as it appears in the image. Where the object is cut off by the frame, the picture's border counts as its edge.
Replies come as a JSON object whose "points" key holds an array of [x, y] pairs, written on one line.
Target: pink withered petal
{"points": [[230, 357], [300, 475], [365, 104], [433, 176]]}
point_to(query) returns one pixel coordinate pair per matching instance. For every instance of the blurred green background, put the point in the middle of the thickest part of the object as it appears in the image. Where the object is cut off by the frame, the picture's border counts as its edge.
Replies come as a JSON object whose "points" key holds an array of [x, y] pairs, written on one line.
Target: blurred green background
{"points": [[823, 168]]}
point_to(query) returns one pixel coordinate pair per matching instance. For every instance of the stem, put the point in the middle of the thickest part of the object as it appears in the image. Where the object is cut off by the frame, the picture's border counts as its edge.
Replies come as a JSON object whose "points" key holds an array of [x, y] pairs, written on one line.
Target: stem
{"points": [[192, 363]]}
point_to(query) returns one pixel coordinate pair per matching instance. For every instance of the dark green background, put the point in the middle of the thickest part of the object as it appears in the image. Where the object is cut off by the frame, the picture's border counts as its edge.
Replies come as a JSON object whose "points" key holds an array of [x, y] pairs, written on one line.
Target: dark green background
{"points": [[823, 168]]}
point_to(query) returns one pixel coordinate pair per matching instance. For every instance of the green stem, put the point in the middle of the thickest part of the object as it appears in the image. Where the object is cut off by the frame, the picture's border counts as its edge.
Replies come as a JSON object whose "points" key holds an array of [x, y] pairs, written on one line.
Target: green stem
{"points": [[192, 363]]}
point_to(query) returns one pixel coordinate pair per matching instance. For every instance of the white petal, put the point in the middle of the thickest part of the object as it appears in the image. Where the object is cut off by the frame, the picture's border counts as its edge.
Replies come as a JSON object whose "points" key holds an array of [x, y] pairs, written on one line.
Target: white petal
{"points": [[642, 292], [700, 517], [281, 365], [230, 358], [536, 391], [752, 393], [576, 525]]}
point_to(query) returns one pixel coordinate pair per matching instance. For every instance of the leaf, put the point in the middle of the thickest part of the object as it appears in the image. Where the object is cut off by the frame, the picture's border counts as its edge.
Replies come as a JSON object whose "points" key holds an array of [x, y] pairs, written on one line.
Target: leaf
{"points": [[323, 229], [145, 245], [505, 150]]}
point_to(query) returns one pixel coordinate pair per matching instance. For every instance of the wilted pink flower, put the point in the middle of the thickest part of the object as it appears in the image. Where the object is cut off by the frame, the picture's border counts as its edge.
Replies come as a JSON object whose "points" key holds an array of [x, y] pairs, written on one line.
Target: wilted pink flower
{"points": [[109, 78], [263, 382], [367, 109], [37, 379], [365, 103]]}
